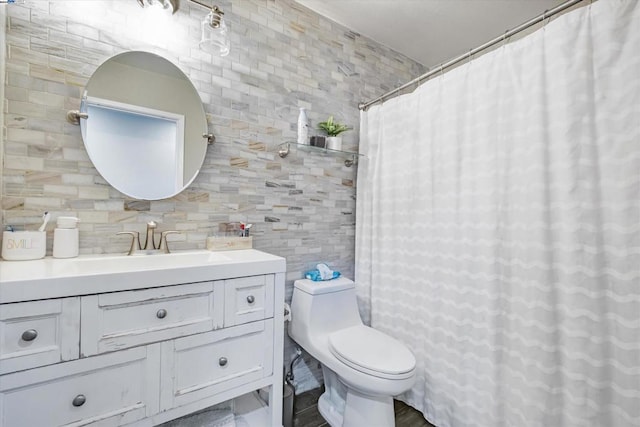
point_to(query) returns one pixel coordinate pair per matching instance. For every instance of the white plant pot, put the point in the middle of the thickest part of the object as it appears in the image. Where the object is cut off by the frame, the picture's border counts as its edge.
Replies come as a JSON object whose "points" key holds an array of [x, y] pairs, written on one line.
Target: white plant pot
{"points": [[334, 142]]}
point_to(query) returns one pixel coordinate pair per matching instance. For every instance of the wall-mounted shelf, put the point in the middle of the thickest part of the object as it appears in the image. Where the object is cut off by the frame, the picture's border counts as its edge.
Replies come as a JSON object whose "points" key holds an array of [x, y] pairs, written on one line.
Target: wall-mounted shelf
{"points": [[351, 157]]}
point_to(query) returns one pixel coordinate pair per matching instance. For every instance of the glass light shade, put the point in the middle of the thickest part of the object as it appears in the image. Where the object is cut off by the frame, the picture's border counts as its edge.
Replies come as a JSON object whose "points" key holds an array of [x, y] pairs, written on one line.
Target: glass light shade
{"points": [[214, 34]]}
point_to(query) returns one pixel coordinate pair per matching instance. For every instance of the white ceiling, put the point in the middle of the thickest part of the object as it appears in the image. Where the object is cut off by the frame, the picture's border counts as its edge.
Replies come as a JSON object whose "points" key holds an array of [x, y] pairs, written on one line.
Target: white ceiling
{"points": [[430, 31]]}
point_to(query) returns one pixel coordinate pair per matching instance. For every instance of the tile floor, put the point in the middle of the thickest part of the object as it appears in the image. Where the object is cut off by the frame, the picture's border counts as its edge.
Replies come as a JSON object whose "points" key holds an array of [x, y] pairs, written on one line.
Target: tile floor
{"points": [[307, 415]]}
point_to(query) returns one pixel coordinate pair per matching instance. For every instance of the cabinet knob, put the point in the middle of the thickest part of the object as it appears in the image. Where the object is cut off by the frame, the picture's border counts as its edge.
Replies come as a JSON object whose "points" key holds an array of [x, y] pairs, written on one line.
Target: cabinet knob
{"points": [[79, 400], [29, 335], [222, 361], [161, 314], [250, 299]]}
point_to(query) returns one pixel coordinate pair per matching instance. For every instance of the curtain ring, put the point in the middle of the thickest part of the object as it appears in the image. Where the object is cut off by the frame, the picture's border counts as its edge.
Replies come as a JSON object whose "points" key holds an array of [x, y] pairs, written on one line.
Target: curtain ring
{"points": [[469, 56], [505, 38], [544, 18]]}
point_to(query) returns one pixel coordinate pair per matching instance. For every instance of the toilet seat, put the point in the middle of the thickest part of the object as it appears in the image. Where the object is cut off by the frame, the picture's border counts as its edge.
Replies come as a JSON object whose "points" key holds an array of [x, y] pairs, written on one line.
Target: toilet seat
{"points": [[372, 352]]}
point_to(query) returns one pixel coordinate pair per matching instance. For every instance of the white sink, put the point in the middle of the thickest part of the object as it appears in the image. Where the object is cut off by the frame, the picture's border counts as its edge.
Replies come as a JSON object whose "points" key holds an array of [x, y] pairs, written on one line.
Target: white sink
{"points": [[141, 261]]}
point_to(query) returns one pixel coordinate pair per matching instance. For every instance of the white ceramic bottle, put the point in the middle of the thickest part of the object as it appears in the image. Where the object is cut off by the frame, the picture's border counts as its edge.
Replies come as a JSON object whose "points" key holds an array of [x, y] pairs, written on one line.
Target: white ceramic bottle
{"points": [[303, 127], [65, 238]]}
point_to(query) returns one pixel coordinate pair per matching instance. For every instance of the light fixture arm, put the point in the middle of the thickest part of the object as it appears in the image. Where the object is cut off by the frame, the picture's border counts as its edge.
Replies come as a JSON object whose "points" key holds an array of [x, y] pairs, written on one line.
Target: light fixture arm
{"points": [[204, 5], [215, 13], [175, 4]]}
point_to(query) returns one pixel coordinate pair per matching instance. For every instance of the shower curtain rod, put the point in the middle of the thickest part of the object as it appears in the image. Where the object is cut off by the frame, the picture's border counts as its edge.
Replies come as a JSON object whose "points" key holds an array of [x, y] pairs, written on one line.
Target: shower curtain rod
{"points": [[547, 14]]}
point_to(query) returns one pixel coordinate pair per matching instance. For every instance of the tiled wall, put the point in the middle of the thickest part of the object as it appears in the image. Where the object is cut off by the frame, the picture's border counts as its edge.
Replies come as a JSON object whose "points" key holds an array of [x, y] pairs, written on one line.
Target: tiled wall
{"points": [[283, 57], [3, 31]]}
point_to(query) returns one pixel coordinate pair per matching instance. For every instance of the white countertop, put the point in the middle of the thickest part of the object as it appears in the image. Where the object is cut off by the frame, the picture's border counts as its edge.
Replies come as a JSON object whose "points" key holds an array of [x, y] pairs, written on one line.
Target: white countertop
{"points": [[54, 278]]}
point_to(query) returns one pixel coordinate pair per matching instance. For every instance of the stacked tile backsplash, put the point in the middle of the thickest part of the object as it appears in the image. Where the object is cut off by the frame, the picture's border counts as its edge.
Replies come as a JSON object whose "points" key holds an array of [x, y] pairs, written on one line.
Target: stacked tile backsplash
{"points": [[283, 56]]}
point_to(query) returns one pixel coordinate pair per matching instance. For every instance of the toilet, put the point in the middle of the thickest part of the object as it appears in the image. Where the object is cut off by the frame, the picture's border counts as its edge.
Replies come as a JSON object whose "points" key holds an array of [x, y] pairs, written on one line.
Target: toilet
{"points": [[362, 368]]}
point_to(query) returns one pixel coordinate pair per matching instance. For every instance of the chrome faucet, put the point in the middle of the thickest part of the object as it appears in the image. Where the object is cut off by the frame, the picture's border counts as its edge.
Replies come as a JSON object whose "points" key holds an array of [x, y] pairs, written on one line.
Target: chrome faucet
{"points": [[149, 243]]}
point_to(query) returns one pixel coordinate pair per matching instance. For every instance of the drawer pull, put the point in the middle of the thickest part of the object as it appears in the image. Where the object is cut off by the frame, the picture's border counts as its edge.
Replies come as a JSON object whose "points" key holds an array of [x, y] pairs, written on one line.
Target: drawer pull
{"points": [[79, 400], [222, 361], [29, 335], [250, 299], [161, 314]]}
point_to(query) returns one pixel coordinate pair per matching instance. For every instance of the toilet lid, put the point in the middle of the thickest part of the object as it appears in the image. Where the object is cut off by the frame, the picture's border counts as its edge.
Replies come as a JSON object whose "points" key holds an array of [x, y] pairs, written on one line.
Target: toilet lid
{"points": [[372, 352]]}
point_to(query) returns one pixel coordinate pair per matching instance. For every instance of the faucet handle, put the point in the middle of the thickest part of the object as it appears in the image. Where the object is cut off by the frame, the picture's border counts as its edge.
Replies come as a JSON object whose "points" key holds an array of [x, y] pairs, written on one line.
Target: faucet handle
{"points": [[135, 241], [164, 245]]}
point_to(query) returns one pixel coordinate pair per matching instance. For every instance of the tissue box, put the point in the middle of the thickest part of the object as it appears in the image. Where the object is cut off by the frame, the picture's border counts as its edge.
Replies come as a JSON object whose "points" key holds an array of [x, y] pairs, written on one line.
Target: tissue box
{"points": [[23, 245], [229, 243]]}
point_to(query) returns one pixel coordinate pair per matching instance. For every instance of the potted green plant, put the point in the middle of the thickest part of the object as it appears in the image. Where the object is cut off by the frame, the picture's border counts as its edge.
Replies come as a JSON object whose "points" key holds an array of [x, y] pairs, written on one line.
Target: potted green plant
{"points": [[333, 129]]}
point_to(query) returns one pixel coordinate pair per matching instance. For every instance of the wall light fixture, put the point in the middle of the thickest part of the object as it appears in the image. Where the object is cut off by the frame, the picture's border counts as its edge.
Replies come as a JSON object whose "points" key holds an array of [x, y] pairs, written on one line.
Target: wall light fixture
{"points": [[214, 35], [214, 32]]}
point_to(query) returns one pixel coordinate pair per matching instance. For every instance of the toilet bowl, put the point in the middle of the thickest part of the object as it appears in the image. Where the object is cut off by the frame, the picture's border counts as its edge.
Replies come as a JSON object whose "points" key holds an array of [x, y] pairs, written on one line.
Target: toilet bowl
{"points": [[362, 368]]}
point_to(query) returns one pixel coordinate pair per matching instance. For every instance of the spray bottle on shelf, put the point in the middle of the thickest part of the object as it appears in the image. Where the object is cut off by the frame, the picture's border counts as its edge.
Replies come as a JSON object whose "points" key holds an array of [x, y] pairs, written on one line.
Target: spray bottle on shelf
{"points": [[303, 127]]}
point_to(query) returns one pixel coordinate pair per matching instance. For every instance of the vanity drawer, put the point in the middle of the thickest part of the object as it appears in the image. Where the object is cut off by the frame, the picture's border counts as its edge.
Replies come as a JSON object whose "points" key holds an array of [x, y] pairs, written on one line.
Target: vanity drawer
{"points": [[248, 299], [118, 320], [38, 333], [109, 390], [225, 359]]}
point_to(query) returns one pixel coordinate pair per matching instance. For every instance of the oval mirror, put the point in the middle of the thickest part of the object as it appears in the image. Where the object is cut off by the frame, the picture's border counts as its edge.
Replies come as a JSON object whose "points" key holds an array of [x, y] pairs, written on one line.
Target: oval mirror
{"points": [[145, 125]]}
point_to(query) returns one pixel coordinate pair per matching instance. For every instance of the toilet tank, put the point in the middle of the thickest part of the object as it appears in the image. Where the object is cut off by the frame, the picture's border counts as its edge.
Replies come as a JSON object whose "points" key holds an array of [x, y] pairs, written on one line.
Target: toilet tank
{"points": [[321, 308]]}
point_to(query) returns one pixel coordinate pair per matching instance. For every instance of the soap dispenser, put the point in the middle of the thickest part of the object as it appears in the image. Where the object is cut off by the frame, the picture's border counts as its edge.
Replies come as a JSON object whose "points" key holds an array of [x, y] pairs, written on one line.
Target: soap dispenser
{"points": [[65, 237]]}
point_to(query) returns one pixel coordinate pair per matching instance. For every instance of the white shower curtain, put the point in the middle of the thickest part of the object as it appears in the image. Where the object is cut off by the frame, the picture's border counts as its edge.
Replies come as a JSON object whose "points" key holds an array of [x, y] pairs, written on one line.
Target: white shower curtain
{"points": [[498, 228]]}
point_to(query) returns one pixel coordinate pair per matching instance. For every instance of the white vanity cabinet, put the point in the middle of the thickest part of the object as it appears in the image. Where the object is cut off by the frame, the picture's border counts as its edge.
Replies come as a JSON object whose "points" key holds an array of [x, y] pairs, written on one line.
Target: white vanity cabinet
{"points": [[110, 390], [38, 333], [226, 358], [118, 320], [138, 341], [248, 299]]}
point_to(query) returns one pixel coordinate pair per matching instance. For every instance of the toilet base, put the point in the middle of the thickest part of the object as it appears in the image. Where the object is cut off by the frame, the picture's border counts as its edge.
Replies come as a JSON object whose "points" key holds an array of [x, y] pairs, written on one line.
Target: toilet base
{"points": [[329, 412], [360, 410]]}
